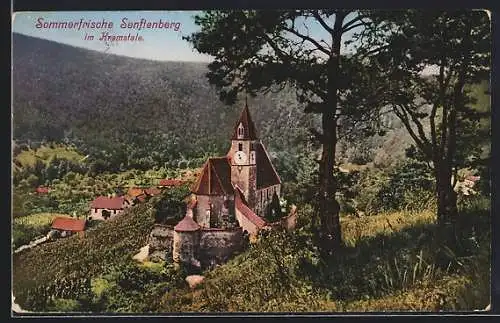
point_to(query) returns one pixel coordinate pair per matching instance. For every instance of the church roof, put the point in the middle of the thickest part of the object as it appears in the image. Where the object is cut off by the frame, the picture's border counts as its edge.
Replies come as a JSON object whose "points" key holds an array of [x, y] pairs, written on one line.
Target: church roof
{"points": [[246, 211], [266, 174], [215, 178], [250, 133], [187, 224]]}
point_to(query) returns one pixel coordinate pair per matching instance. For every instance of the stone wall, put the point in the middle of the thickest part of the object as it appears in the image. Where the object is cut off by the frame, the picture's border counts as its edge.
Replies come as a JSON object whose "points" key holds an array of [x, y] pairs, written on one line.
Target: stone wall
{"points": [[290, 222], [218, 245], [161, 241], [202, 205], [186, 246], [213, 246], [264, 197]]}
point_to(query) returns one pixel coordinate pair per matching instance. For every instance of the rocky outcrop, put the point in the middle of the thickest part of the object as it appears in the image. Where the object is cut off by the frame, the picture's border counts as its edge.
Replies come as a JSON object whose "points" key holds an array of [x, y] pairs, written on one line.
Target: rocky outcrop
{"points": [[143, 254], [194, 280]]}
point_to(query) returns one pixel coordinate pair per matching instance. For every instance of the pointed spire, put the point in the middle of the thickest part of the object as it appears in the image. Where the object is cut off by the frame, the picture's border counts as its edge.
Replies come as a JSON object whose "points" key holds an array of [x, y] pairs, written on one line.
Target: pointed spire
{"points": [[245, 120]]}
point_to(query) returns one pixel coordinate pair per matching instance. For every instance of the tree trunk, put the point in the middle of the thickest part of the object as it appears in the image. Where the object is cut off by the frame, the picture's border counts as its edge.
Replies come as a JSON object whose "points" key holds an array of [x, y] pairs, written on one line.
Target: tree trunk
{"points": [[330, 237], [446, 197]]}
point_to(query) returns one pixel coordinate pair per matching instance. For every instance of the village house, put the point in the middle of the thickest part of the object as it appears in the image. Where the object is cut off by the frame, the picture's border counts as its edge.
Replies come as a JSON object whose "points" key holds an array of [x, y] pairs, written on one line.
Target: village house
{"points": [[64, 227], [230, 199], [104, 208], [42, 190], [137, 195], [165, 183]]}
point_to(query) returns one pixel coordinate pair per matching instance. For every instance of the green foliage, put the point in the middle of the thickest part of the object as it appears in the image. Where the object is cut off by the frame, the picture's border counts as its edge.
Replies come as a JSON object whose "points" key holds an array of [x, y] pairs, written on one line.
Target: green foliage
{"points": [[170, 206], [129, 288], [155, 102], [27, 228], [409, 184], [283, 272], [64, 305], [76, 258], [435, 107], [41, 166]]}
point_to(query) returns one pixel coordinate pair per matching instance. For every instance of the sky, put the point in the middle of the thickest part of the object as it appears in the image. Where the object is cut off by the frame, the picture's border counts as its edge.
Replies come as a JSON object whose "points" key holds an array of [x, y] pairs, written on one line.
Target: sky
{"points": [[158, 44]]}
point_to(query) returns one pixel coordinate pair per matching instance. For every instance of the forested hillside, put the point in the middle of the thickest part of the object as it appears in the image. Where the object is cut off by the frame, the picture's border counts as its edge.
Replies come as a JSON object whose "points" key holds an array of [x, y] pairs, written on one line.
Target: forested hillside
{"points": [[132, 112]]}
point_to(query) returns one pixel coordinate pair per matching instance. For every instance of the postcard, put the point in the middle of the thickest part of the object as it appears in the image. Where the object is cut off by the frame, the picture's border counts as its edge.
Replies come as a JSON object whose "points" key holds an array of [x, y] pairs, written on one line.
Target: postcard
{"points": [[233, 161]]}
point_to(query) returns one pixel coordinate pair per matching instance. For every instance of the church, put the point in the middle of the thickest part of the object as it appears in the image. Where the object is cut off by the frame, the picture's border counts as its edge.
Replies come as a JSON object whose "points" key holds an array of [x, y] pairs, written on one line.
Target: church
{"points": [[234, 196], [239, 189]]}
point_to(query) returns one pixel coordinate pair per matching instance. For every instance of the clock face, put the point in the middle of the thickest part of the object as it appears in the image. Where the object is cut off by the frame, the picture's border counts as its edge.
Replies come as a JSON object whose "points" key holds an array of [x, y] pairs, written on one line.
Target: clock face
{"points": [[240, 157]]}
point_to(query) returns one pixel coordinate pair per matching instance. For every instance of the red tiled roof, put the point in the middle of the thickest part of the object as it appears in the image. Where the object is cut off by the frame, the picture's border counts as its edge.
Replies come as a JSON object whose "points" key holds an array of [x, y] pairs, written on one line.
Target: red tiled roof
{"points": [[68, 224], [42, 189], [248, 126], [113, 203], [135, 191], [187, 224], [152, 191], [246, 211], [141, 198], [266, 174], [215, 178], [171, 182]]}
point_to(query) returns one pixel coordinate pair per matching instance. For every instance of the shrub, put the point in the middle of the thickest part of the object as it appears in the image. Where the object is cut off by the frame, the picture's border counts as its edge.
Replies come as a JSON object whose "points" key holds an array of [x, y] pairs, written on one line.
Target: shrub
{"points": [[64, 305]]}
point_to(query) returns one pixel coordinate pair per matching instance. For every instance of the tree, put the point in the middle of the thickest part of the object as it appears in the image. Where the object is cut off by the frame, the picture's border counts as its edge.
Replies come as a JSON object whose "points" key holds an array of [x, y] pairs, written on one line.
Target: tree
{"points": [[268, 50], [435, 107]]}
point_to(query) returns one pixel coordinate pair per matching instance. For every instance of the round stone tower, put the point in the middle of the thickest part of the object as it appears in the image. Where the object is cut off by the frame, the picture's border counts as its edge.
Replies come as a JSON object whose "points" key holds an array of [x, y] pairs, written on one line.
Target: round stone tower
{"points": [[186, 241]]}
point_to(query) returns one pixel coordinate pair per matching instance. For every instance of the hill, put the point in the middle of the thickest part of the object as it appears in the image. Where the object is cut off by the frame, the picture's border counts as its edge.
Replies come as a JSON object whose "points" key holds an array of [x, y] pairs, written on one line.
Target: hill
{"points": [[75, 261], [135, 112], [412, 265]]}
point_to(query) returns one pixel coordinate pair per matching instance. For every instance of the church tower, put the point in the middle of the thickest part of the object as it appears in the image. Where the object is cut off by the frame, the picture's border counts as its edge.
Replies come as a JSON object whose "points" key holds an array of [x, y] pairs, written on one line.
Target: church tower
{"points": [[242, 156]]}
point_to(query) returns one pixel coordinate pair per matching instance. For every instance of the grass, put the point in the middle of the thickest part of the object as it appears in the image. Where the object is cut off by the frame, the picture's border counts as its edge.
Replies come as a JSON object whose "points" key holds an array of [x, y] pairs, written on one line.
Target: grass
{"points": [[29, 227], [38, 220], [409, 265], [27, 158], [355, 229]]}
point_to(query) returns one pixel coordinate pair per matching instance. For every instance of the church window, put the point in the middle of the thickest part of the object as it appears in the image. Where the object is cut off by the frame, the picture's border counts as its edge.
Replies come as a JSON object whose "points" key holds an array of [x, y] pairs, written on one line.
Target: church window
{"points": [[241, 131], [240, 146], [252, 146]]}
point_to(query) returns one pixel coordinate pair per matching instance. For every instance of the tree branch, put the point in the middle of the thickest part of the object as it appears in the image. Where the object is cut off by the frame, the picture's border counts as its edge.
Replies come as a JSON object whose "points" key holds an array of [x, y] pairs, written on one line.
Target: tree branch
{"points": [[323, 23], [358, 18], [403, 116], [419, 125], [305, 37], [344, 30]]}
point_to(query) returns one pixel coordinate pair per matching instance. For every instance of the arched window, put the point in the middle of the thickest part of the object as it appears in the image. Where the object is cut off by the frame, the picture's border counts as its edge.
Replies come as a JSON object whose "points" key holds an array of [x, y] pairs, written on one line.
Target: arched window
{"points": [[241, 131], [240, 146]]}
